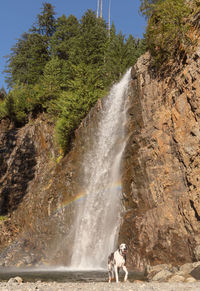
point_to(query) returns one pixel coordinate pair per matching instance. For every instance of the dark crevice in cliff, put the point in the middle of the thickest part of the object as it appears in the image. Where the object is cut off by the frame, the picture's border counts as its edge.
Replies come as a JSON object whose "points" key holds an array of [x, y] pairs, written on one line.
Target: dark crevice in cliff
{"points": [[6, 148], [19, 172], [195, 211], [191, 106]]}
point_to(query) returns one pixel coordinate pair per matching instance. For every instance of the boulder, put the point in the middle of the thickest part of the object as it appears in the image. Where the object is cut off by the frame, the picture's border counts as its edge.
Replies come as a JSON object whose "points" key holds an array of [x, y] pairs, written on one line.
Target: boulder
{"points": [[195, 273], [15, 280], [162, 276], [176, 278]]}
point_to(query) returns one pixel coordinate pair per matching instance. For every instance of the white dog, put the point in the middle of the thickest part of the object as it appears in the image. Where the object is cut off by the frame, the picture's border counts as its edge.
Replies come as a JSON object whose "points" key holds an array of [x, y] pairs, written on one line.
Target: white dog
{"points": [[116, 261]]}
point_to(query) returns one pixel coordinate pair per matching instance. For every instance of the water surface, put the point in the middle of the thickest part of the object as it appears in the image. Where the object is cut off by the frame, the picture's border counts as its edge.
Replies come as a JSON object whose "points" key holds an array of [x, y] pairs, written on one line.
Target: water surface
{"points": [[50, 275]]}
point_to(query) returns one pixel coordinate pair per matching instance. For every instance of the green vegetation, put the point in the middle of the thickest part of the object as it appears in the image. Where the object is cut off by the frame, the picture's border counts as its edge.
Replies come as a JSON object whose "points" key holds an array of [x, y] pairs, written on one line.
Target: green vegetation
{"points": [[168, 33], [3, 218], [61, 66], [2, 102]]}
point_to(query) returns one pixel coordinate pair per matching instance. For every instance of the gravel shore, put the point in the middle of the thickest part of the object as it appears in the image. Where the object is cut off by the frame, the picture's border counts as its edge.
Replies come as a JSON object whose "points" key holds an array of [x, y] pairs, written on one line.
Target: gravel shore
{"points": [[140, 286]]}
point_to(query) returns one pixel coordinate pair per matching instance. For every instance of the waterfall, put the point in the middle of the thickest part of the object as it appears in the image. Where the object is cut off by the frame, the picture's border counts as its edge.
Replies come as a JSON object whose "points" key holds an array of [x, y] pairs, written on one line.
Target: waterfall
{"points": [[98, 214]]}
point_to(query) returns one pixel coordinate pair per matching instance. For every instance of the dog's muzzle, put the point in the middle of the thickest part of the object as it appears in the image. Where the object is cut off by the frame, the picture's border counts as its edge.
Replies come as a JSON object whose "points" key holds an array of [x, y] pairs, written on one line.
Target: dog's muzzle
{"points": [[124, 251]]}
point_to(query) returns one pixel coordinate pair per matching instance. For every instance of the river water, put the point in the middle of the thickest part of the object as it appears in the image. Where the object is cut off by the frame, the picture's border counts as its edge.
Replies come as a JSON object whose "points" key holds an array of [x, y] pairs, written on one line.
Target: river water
{"points": [[62, 275]]}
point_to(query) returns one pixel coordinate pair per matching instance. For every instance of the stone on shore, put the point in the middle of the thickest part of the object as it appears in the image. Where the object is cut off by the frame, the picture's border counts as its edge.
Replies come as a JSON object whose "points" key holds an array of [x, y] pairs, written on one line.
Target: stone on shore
{"points": [[15, 280]]}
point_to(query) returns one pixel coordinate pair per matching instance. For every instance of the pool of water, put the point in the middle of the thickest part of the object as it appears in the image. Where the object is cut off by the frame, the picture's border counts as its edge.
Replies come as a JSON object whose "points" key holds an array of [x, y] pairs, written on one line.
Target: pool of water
{"points": [[61, 275]]}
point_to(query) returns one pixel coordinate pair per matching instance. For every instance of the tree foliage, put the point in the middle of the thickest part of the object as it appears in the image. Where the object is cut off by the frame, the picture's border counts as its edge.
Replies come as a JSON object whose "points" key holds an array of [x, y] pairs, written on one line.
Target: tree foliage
{"points": [[62, 67], [147, 7], [2, 93], [27, 60], [64, 42], [167, 30], [46, 23]]}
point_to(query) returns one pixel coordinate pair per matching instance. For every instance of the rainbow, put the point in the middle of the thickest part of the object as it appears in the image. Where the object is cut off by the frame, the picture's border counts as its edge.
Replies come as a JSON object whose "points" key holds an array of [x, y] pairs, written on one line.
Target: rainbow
{"points": [[83, 194]]}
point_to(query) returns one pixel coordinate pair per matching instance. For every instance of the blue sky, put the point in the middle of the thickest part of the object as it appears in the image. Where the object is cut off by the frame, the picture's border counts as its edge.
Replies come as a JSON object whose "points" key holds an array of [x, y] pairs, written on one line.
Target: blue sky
{"points": [[17, 16]]}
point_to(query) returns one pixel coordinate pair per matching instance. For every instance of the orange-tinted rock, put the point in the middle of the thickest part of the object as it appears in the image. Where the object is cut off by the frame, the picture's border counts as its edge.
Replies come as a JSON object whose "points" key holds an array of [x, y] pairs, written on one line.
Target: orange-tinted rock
{"points": [[161, 175]]}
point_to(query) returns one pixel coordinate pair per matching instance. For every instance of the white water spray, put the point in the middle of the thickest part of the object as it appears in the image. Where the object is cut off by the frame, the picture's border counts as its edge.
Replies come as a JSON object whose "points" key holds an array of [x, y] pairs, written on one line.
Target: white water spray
{"points": [[98, 215]]}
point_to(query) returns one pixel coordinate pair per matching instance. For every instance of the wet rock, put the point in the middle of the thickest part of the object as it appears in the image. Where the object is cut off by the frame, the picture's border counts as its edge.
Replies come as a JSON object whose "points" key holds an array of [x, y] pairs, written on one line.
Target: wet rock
{"points": [[197, 252], [15, 280], [157, 268], [189, 272], [161, 276], [195, 273], [190, 279], [187, 268], [176, 278]]}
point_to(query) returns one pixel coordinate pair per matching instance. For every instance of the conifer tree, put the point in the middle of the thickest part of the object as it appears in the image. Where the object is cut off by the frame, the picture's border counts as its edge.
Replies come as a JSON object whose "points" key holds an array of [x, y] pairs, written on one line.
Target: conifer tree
{"points": [[27, 60], [148, 6], [3, 93], [64, 42], [93, 37], [167, 30], [46, 21], [62, 67], [54, 80]]}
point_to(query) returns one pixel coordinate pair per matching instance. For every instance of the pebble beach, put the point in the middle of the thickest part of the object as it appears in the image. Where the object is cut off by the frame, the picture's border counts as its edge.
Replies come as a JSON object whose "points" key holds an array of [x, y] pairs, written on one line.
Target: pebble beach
{"points": [[99, 286]]}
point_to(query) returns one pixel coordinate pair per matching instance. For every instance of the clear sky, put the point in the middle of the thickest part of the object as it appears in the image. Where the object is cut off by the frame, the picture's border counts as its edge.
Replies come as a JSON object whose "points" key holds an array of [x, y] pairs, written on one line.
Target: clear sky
{"points": [[17, 16]]}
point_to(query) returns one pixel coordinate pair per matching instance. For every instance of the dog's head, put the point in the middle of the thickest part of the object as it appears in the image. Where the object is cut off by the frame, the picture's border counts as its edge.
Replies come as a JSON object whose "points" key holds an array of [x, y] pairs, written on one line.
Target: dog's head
{"points": [[123, 249]]}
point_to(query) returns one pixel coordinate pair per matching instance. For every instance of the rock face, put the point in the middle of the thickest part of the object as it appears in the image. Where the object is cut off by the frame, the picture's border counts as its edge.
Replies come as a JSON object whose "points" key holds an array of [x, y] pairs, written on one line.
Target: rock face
{"points": [[160, 176], [37, 192], [162, 165]]}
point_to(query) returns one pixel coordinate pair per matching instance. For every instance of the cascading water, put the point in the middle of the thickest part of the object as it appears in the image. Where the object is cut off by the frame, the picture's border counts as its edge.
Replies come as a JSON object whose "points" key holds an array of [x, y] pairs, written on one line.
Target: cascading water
{"points": [[98, 214]]}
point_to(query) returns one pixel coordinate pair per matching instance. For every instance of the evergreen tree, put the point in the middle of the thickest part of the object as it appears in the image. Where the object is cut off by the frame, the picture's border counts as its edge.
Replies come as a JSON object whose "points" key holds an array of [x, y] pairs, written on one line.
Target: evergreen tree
{"points": [[62, 67], [55, 79], [64, 42], [46, 23], [116, 56], [167, 30], [147, 7], [27, 60], [134, 49], [73, 105], [93, 38], [3, 93]]}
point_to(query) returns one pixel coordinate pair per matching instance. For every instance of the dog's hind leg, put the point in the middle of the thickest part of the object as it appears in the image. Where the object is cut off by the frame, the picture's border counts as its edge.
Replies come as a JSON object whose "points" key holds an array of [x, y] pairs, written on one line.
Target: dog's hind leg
{"points": [[126, 273], [109, 276], [110, 273], [113, 274]]}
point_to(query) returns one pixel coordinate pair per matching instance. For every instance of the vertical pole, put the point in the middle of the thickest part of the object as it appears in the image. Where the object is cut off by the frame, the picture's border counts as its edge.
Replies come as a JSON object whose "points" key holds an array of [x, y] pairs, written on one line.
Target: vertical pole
{"points": [[101, 15], [109, 18], [97, 8]]}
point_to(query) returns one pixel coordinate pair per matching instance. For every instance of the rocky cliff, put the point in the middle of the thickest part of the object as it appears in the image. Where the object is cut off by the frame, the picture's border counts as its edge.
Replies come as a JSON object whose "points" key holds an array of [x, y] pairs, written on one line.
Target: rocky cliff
{"points": [[160, 176], [162, 165], [38, 190]]}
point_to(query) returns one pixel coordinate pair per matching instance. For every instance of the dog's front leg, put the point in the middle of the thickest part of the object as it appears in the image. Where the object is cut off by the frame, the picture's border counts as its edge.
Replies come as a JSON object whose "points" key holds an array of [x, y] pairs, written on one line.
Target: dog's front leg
{"points": [[126, 273], [116, 274]]}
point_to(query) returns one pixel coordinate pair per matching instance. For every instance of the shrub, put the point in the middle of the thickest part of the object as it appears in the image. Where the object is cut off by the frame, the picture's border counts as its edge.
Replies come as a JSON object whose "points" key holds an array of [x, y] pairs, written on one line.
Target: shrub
{"points": [[167, 30], [3, 111]]}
